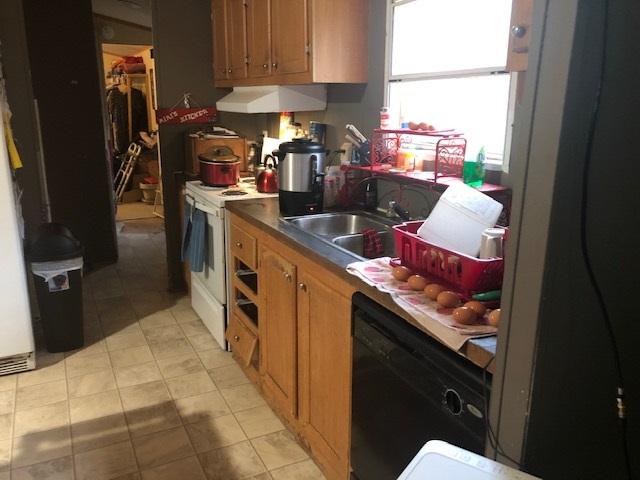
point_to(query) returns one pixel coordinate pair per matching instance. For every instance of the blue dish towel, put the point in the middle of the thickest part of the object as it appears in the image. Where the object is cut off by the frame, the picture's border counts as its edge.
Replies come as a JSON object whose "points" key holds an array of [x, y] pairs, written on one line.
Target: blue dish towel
{"points": [[194, 242]]}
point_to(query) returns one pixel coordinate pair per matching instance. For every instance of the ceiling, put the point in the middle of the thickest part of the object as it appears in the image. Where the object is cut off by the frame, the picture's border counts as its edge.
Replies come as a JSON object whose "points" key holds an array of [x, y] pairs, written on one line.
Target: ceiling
{"points": [[132, 11]]}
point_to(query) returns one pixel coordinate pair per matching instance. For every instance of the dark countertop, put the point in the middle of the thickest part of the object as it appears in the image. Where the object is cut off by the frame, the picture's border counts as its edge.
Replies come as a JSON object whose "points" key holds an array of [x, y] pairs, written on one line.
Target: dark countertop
{"points": [[264, 214]]}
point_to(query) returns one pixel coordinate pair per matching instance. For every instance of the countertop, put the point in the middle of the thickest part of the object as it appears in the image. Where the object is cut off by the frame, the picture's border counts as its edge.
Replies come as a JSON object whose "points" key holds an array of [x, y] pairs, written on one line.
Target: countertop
{"points": [[264, 214]]}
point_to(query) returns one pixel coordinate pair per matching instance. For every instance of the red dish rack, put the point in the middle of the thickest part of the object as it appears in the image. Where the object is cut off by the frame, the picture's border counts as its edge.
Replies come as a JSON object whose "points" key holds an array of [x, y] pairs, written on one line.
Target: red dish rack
{"points": [[462, 273], [450, 148]]}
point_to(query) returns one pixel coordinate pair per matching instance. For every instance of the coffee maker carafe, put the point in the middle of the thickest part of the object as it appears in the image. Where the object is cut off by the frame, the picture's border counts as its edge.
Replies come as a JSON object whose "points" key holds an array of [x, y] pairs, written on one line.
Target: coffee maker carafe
{"points": [[301, 177]]}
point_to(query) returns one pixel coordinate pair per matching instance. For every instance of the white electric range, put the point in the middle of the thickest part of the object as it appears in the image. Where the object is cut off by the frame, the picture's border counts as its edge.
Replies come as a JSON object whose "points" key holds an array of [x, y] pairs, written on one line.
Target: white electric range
{"points": [[209, 287]]}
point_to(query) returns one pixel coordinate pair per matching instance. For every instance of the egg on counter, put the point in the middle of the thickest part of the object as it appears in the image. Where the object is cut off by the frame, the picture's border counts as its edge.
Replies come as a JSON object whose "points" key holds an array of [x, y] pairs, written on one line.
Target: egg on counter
{"points": [[433, 290], [417, 282], [448, 299], [493, 318], [465, 316], [401, 273], [477, 307]]}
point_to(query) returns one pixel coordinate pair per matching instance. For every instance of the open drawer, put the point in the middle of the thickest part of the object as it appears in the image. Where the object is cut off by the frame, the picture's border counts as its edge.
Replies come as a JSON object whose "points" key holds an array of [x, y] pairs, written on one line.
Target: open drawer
{"points": [[242, 340]]}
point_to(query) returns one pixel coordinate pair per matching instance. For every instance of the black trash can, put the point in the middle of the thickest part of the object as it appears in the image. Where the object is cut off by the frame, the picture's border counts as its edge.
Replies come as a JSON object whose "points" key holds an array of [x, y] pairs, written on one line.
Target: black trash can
{"points": [[56, 264]]}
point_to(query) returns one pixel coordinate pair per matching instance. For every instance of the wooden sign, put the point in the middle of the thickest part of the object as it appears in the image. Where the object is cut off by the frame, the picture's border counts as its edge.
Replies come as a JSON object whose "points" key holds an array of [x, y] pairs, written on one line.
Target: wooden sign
{"points": [[181, 116]]}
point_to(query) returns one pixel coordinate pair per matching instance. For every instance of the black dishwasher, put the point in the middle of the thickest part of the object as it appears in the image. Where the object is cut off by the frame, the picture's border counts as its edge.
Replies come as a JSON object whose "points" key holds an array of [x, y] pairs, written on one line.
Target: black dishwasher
{"points": [[407, 389]]}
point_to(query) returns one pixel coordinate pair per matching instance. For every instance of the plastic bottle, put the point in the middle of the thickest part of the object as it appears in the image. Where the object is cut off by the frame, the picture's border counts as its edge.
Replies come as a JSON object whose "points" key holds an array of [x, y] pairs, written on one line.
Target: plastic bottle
{"points": [[473, 170], [385, 118]]}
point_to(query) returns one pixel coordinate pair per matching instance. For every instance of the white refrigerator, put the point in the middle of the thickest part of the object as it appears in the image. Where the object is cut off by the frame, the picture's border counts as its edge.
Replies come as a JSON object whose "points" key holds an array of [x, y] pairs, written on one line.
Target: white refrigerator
{"points": [[16, 332]]}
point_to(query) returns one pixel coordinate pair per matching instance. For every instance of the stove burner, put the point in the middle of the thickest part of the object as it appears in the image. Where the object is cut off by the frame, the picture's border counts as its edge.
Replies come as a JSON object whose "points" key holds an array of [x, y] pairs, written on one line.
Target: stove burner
{"points": [[233, 192]]}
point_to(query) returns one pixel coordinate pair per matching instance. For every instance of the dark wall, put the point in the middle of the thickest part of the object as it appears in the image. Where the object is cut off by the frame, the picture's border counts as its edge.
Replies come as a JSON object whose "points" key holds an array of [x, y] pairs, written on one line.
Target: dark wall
{"points": [[573, 431], [66, 83], [15, 62], [183, 52]]}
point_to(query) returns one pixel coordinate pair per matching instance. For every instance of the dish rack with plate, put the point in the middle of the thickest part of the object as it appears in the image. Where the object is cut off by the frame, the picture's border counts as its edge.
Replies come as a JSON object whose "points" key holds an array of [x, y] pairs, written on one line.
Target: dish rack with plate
{"points": [[462, 273]]}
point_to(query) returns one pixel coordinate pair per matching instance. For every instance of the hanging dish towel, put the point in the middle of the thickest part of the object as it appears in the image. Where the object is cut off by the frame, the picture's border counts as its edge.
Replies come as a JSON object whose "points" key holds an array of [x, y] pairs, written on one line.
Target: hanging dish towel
{"points": [[372, 246], [194, 242]]}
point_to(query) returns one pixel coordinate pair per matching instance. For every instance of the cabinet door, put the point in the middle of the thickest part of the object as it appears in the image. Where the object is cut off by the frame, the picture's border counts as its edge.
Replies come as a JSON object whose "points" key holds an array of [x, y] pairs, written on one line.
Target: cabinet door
{"points": [[219, 25], [237, 39], [289, 36], [519, 35], [259, 37], [324, 369], [277, 330]]}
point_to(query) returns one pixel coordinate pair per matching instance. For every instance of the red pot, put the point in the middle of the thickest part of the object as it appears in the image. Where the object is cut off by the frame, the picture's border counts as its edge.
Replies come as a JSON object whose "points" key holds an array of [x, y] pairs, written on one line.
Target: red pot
{"points": [[219, 167]]}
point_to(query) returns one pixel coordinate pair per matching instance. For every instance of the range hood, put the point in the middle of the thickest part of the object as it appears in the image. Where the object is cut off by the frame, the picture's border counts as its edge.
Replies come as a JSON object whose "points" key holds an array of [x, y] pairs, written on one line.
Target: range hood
{"points": [[271, 99]]}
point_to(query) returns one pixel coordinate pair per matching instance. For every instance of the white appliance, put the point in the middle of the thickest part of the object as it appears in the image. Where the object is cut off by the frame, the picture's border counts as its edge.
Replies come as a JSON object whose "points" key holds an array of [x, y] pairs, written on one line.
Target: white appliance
{"points": [[16, 337], [209, 287], [443, 461], [274, 99]]}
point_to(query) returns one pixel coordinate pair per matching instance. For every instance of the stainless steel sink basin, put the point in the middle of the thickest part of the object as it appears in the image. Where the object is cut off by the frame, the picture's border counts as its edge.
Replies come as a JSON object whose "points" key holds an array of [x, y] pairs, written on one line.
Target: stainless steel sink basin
{"points": [[334, 224], [344, 230], [355, 243]]}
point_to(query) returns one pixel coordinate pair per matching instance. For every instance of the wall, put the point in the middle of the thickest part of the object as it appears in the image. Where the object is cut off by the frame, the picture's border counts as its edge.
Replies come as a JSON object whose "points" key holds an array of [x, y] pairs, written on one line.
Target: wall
{"points": [[15, 62], [574, 380], [112, 30], [69, 98], [185, 66]]}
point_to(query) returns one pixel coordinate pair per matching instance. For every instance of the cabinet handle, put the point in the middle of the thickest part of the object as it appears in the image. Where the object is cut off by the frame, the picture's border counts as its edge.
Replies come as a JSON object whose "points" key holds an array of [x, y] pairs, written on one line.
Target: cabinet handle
{"points": [[265, 65], [236, 338], [287, 275], [302, 287], [274, 65], [239, 244], [229, 71], [518, 31]]}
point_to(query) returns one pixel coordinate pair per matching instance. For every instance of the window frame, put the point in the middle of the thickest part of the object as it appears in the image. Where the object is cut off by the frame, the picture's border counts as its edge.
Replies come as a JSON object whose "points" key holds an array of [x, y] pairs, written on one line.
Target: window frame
{"points": [[492, 162]]}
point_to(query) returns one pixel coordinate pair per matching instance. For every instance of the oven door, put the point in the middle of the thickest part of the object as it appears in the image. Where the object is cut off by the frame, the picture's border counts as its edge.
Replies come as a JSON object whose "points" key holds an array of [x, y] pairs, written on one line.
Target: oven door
{"points": [[213, 276]]}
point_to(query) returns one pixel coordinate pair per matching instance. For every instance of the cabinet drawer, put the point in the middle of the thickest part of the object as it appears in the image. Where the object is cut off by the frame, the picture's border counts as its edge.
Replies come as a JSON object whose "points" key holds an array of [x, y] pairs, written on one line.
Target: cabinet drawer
{"points": [[243, 246], [243, 342]]}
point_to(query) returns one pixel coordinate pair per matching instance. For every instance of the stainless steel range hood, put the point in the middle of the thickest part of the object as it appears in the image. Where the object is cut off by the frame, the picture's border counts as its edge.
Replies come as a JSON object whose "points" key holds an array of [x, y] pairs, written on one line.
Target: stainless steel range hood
{"points": [[271, 98]]}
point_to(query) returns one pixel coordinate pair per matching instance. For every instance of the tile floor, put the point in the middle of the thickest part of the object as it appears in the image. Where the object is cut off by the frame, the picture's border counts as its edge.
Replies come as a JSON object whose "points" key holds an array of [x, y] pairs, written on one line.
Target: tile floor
{"points": [[150, 397]]}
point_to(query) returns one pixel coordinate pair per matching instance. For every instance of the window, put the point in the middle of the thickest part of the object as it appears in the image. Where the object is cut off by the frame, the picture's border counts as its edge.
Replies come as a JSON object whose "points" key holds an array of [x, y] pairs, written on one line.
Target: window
{"points": [[446, 67]]}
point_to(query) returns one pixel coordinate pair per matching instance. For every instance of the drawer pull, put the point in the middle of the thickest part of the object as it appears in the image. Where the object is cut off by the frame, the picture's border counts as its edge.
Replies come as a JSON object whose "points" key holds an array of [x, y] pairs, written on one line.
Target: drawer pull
{"points": [[236, 338]]}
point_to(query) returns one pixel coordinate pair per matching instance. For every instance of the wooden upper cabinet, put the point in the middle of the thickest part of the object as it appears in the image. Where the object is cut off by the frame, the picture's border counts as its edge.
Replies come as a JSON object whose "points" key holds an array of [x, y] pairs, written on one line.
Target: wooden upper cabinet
{"points": [[237, 39], [519, 35], [324, 371], [278, 330], [299, 41], [259, 37], [289, 36], [219, 26]]}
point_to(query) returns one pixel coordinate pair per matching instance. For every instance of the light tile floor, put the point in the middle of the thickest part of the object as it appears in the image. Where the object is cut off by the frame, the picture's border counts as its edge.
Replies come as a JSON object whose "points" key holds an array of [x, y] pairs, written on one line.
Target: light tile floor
{"points": [[150, 396]]}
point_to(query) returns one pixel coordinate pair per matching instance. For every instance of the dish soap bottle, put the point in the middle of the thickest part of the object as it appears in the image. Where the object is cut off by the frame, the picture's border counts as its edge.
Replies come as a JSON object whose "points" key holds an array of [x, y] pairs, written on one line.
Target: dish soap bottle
{"points": [[473, 170]]}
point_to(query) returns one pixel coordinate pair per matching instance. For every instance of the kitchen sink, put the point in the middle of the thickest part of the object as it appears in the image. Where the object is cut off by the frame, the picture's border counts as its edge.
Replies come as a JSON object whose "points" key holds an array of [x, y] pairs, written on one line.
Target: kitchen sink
{"points": [[344, 229]]}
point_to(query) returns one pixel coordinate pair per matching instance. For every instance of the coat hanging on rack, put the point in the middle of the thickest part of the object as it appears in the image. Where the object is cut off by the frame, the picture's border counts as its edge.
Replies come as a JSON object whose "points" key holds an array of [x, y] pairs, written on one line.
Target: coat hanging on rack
{"points": [[117, 106]]}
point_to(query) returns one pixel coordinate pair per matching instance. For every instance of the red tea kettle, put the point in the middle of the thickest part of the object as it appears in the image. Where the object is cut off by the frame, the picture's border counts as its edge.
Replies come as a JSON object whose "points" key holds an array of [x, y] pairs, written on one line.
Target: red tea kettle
{"points": [[268, 178]]}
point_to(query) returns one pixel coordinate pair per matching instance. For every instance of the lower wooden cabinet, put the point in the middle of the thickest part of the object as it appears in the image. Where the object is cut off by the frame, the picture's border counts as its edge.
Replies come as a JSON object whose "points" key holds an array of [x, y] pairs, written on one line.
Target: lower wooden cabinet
{"points": [[277, 330], [305, 347], [324, 371]]}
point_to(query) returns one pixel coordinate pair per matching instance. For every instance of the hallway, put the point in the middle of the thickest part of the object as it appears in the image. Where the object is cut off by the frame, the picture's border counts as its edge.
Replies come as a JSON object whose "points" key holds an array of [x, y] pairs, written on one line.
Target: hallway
{"points": [[151, 396]]}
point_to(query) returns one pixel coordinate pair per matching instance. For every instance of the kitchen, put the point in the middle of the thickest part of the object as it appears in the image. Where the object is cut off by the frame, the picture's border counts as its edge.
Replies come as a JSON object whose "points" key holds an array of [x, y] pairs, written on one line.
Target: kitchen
{"points": [[532, 352]]}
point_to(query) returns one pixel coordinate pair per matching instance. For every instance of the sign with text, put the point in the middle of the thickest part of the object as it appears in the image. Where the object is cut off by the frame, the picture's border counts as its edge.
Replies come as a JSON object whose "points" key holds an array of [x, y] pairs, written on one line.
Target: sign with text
{"points": [[181, 116]]}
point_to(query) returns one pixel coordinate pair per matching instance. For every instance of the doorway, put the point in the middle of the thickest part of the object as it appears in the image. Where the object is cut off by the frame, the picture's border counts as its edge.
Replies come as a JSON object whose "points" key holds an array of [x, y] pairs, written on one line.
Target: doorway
{"points": [[129, 86]]}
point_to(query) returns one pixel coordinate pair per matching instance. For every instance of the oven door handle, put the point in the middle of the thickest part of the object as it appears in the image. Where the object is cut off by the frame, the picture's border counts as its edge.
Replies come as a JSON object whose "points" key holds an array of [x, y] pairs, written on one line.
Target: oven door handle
{"points": [[216, 212]]}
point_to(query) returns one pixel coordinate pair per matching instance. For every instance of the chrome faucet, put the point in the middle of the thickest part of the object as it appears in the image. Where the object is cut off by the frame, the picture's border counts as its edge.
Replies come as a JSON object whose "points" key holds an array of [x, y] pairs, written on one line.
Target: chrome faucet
{"points": [[395, 210]]}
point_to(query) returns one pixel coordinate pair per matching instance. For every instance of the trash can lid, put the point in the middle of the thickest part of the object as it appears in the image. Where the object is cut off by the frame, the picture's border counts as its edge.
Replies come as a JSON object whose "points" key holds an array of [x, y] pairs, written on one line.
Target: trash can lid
{"points": [[53, 241]]}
